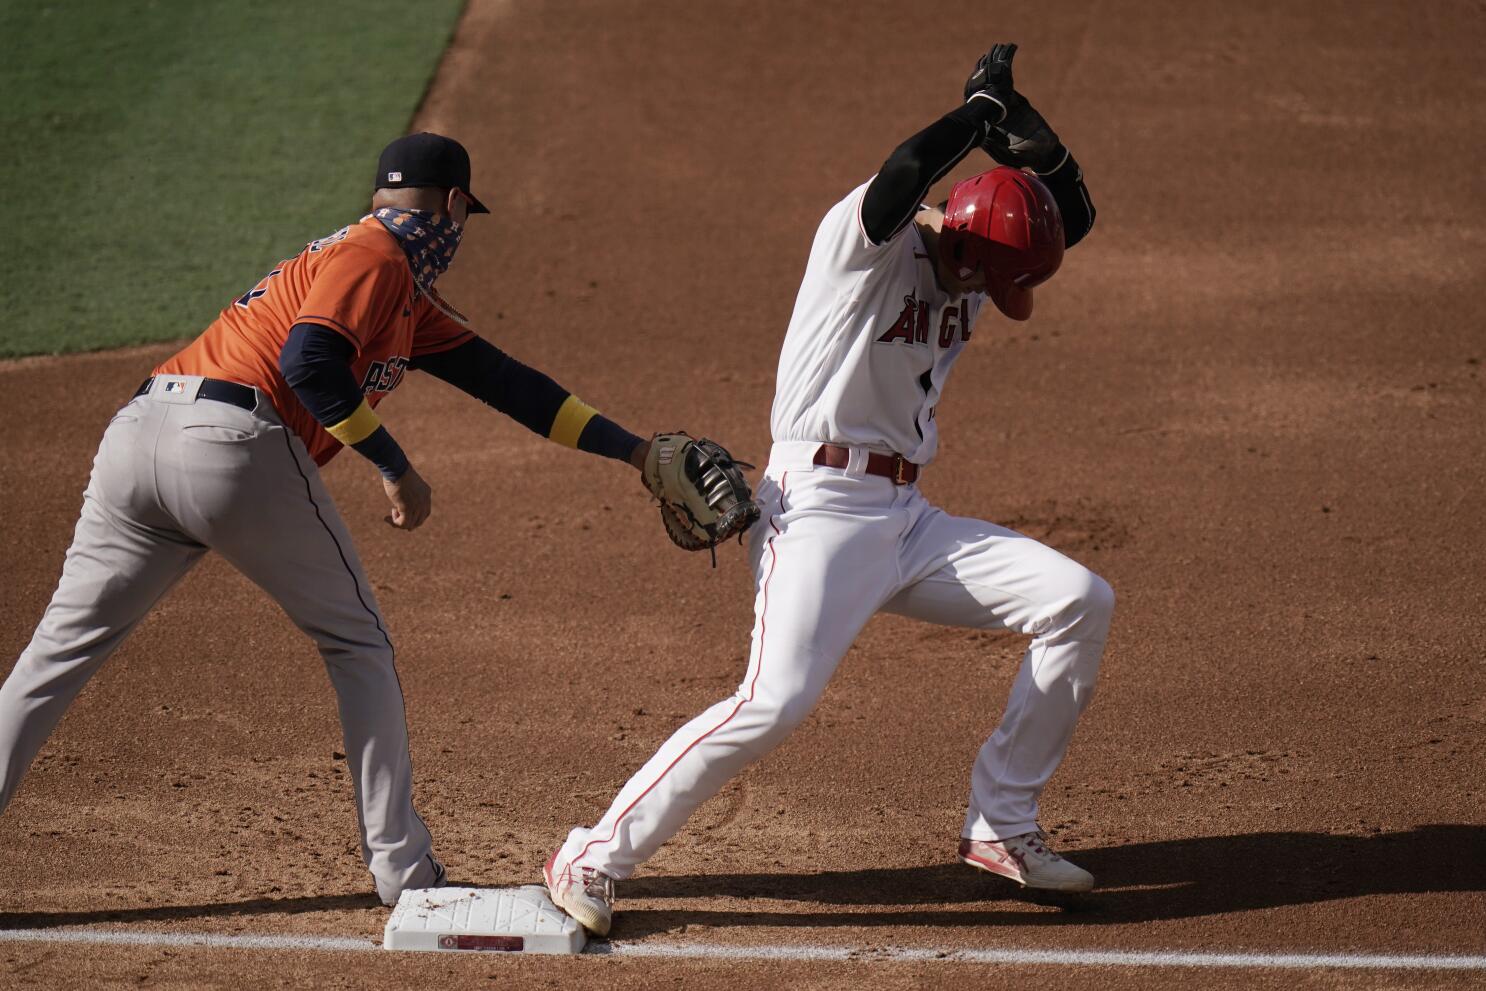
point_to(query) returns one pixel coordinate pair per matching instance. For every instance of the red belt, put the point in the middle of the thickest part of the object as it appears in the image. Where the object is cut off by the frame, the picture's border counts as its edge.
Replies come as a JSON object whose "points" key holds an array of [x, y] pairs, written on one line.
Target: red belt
{"points": [[893, 466]]}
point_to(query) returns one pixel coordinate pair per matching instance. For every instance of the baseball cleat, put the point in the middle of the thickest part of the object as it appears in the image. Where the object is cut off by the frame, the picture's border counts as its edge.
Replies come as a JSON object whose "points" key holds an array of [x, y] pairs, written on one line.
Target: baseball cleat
{"points": [[440, 879], [584, 893], [1027, 860]]}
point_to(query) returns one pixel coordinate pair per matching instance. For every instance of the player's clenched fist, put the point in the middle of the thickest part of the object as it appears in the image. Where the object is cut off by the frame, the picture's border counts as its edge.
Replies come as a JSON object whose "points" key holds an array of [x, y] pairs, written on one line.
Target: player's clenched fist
{"points": [[411, 498]]}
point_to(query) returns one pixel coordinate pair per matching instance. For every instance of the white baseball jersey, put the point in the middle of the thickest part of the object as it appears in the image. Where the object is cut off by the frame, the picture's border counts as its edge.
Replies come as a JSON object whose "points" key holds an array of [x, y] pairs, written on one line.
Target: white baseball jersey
{"points": [[869, 348], [870, 343]]}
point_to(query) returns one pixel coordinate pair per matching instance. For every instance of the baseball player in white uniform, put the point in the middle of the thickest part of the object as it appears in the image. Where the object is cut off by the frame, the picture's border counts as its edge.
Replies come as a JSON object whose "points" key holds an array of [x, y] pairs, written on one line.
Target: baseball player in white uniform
{"points": [[890, 294]]}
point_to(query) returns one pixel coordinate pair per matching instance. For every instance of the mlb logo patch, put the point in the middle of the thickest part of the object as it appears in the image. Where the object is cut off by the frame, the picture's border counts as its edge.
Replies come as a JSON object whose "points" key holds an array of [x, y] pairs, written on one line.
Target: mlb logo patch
{"points": [[394, 177], [175, 385]]}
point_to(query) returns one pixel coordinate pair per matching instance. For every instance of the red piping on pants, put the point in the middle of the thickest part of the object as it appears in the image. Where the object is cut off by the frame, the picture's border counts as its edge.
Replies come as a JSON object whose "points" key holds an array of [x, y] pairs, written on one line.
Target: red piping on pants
{"points": [[763, 631]]}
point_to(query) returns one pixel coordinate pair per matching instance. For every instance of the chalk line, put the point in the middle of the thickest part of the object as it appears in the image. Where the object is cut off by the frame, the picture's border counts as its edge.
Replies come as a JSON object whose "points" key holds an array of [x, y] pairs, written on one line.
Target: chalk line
{"points": [[1064, 958]]}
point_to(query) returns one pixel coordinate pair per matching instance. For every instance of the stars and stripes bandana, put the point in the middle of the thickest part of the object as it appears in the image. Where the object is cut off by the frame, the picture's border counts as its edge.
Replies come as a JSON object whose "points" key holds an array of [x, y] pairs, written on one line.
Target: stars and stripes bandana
{"points": [[429, 240]]}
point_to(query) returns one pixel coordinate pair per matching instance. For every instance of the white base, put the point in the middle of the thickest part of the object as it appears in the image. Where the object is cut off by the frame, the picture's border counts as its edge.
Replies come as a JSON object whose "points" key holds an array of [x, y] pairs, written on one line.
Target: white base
{"points": [[511, 920]]}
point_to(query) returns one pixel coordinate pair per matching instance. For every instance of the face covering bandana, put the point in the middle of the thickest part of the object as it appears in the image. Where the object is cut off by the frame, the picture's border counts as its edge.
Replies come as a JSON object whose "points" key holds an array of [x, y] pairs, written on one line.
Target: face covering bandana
{"points": [[429, 240]]}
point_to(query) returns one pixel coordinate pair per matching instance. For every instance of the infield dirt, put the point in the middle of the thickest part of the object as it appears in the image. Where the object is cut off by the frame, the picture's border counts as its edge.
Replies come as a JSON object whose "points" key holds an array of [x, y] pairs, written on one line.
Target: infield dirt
{"points": [[1252, 400]]}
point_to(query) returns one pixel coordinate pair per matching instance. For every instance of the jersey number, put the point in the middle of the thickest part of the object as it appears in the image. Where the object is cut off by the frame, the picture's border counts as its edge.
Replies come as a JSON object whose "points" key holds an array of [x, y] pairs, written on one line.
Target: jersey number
{"points": [[258, 290], [329, 239]]}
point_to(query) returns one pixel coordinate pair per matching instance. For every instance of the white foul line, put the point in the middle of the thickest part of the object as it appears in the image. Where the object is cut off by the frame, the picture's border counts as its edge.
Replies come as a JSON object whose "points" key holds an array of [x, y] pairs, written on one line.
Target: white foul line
{"points": [[1065, 958], [208, 940]]}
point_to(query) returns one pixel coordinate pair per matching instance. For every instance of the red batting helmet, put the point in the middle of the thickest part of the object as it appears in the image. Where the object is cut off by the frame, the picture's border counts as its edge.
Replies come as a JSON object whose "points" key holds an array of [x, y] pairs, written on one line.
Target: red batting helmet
{"points": [[1005, 221]]}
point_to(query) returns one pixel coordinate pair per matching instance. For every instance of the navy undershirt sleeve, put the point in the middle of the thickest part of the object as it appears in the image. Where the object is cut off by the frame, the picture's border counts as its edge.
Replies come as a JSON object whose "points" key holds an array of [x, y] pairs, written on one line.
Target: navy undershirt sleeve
{"points": [[524, 394], [499, 381], [602, 435], [316, 362]]}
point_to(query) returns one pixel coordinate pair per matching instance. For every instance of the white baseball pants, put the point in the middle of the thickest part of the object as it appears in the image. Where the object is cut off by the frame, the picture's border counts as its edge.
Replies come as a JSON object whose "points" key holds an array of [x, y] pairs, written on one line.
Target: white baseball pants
{"points": [[175, 476], [834, 547]]}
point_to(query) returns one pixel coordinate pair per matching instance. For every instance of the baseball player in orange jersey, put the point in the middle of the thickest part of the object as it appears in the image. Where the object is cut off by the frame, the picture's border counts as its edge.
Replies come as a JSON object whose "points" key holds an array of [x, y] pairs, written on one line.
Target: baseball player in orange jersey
{"points": [[219, 450]]}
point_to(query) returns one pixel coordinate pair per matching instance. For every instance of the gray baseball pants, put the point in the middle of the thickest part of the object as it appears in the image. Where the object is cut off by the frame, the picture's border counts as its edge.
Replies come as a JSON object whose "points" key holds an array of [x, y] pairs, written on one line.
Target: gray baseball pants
{"points": [[177, 475]]}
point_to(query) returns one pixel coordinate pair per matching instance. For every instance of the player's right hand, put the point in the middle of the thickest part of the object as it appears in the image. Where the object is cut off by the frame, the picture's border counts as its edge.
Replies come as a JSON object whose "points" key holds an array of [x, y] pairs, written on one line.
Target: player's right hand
{"points": [[992, 75], [1022, 139], [411, 498]]}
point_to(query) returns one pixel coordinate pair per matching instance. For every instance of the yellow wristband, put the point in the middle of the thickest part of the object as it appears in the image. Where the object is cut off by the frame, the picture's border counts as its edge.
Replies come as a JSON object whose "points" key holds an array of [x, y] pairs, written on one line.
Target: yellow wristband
{"points": [[571, 418], [357, 427]]}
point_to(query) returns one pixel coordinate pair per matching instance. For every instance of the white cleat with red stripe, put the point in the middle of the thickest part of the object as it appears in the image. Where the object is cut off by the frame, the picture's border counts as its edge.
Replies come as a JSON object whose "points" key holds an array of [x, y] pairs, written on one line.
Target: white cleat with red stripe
{"points": [[1027, 860], [582, 892]]}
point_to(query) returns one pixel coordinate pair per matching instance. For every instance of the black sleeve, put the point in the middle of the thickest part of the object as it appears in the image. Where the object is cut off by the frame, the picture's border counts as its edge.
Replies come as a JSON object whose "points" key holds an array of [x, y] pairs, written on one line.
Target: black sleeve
{"points": [[527, 396], [895, 193], [316, 362], [1066, 183]]}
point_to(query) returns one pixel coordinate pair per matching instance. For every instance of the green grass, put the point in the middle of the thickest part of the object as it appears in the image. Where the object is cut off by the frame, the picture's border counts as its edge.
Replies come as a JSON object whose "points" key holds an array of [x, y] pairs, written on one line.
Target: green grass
{"points": [[160, 156]]}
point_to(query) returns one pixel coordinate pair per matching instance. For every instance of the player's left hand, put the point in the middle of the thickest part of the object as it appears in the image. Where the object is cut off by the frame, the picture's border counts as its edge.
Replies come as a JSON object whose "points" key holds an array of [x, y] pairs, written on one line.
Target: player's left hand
{"points": [[1024, 141], [1022, 138], [637, 459], [704, 498]]}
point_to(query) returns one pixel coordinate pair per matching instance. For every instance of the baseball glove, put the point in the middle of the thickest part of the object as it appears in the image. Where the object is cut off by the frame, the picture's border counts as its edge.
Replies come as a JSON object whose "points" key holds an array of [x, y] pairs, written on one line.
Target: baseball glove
{"points": [[704, 498]]}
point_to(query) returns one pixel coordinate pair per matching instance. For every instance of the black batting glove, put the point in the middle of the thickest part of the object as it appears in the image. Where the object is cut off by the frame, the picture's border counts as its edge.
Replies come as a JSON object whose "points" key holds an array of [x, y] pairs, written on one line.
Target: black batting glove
{"points": [[1020, 138], [991, 79]]}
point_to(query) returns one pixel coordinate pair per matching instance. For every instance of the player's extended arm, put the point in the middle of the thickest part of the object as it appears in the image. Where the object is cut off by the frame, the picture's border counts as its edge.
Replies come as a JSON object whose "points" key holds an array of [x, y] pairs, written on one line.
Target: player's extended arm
{"points": [[531, 399]]}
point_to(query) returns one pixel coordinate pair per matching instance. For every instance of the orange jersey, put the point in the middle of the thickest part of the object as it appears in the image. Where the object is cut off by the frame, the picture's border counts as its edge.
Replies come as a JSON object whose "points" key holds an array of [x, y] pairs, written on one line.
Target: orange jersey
{"points": [[355, 282]]}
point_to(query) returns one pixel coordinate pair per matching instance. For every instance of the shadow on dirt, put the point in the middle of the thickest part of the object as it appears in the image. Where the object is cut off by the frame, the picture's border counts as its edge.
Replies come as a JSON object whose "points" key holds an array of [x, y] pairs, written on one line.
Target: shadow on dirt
{"points": [[1139, 882], [176, 913]]}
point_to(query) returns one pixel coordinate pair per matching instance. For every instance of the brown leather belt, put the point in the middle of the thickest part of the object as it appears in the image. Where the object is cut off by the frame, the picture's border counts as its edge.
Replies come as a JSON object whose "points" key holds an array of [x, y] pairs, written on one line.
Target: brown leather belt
{"points": [[891, 466]]}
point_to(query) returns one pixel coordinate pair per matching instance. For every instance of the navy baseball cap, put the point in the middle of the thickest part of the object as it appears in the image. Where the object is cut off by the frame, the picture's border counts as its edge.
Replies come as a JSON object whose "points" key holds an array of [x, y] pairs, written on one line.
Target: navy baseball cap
{"points": [[425, 159]]}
